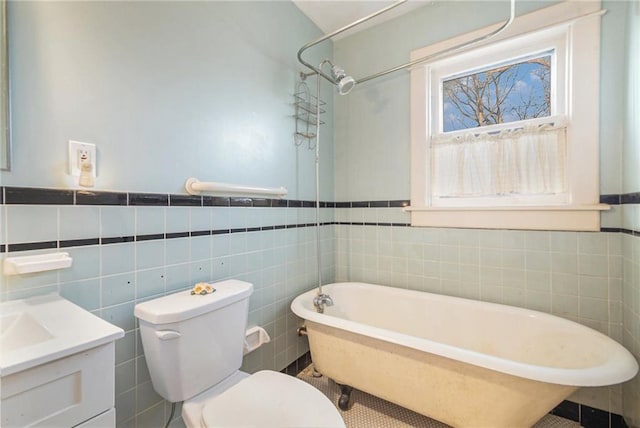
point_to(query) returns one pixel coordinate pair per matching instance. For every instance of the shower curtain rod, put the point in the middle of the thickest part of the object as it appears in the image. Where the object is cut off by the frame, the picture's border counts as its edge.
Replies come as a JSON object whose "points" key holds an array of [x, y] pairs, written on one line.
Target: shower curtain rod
{"points": [[318, 71]]}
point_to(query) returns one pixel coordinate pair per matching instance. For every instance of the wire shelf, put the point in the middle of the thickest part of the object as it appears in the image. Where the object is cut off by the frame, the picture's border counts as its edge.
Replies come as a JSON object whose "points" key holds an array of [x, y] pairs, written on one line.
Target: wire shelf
{"points": [[308, 108]]}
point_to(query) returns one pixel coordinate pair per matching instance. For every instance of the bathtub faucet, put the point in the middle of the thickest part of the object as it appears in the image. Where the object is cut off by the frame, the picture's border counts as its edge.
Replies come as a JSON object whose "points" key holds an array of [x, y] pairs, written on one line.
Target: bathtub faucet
{"points": [[322, 300]]}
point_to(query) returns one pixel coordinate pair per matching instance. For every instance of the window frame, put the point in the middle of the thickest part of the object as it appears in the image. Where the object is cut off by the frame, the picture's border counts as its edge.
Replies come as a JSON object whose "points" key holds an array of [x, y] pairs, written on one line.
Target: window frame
{"points": [[574, 27]]}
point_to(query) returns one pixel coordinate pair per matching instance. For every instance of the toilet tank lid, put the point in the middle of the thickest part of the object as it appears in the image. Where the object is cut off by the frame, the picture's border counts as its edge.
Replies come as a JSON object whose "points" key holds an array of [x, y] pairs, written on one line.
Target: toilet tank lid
{"points": [[184, 305]]}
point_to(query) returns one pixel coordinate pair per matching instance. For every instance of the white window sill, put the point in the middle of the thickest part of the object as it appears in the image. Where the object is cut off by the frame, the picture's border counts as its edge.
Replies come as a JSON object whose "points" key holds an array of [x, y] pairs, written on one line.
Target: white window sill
{"points": [[574, 218]]}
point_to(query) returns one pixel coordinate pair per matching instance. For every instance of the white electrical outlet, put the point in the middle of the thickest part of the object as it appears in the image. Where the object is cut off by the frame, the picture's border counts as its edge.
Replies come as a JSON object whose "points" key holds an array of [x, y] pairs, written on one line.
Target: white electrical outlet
{"points": [[80, 153]]}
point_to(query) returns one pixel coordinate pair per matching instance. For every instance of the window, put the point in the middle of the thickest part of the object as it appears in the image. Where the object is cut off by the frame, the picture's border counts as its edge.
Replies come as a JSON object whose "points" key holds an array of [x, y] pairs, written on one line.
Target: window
{"points": [[505, 135], [504, 93]]}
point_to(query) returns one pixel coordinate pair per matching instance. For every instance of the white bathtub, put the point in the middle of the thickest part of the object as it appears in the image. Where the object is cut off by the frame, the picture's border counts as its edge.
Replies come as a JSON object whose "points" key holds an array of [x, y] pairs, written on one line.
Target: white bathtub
{"points": [[463, 362]]}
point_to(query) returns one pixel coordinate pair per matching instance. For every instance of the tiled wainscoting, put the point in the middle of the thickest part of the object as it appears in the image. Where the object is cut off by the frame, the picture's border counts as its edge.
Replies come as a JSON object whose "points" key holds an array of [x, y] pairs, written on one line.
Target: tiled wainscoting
{"points": [[129, 247], [125, 253], [589, 277], [573, 275]]}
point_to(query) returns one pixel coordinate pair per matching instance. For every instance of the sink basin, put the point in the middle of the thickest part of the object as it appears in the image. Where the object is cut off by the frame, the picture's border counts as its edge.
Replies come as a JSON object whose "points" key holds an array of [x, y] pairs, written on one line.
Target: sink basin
{"points": [[19, 330], [41, 329]]}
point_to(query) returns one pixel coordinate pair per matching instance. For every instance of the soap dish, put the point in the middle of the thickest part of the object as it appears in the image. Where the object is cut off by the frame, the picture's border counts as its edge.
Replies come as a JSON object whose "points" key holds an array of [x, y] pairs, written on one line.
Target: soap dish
{"points": [[39, 263]]}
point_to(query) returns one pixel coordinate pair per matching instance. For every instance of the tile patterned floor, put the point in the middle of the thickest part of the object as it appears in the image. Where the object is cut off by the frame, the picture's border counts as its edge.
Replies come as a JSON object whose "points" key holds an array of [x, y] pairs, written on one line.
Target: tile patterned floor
{"points": [[369, 411]]}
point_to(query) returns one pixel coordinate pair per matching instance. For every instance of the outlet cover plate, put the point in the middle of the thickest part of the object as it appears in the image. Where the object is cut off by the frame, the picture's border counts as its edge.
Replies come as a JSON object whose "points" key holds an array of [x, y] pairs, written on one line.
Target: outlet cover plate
{"points": [[78, 149]]}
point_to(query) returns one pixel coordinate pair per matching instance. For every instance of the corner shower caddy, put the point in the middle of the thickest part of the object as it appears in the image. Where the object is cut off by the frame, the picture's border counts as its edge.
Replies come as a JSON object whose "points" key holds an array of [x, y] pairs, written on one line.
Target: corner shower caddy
{"points": [[308, 108]]}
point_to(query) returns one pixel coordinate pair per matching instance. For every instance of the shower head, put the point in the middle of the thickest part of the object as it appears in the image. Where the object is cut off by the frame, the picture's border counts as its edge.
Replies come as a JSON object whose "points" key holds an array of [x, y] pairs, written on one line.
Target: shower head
{"points": [[344, 83]]}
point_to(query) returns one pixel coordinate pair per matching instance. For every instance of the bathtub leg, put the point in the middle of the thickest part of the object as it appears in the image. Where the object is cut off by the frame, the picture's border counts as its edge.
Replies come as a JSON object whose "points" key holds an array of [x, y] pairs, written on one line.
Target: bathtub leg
{"points": [[314, 372], [344, 402]]}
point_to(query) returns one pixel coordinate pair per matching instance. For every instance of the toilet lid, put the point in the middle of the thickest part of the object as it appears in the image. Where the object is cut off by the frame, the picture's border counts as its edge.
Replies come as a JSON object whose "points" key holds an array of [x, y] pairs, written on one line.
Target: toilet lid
{"points": [[271, 399]]}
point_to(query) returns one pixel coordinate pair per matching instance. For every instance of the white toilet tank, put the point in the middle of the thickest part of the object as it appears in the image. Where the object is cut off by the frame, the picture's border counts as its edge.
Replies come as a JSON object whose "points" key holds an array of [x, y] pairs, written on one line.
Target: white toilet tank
{"points": [[192, 342]]}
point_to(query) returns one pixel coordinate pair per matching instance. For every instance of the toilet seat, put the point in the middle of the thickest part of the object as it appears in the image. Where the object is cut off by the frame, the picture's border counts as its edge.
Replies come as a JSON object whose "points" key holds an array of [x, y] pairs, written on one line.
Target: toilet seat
{"points": [[271, 399]]}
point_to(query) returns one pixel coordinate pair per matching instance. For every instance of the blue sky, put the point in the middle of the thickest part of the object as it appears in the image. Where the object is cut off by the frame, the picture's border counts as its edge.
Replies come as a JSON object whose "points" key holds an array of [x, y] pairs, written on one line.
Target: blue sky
{"points": [[526, 87]]}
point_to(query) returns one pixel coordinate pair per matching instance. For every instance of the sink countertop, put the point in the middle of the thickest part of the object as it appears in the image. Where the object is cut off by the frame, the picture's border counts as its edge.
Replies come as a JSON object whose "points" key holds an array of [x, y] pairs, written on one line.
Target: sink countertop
{"points": [[41, 329]]}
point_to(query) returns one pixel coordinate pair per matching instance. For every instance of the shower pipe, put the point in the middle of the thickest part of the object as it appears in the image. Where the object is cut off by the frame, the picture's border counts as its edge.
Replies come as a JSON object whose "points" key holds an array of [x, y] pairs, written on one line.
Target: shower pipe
{"points": [[321, 298], [318, 71]]}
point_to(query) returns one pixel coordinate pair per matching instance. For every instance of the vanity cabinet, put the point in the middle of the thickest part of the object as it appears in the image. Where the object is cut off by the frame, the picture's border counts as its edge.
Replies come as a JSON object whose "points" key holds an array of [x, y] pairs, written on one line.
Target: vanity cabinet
{"points": [[77, 390]]}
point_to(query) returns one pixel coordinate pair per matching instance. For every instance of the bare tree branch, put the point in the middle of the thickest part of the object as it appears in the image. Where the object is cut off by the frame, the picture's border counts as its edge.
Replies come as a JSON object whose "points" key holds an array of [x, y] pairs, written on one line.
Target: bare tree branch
{"points": [[484, 98]]}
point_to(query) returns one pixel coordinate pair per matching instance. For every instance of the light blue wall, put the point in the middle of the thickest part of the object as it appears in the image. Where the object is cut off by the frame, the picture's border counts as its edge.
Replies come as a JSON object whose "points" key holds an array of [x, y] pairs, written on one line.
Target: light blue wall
{"points": [[166, 90], [372, 123], [631, 160]]}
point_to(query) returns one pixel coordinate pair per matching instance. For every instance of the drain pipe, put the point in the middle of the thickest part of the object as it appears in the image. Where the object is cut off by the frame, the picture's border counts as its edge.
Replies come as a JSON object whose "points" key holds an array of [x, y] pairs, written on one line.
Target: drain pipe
{"points": [[302, 330]]}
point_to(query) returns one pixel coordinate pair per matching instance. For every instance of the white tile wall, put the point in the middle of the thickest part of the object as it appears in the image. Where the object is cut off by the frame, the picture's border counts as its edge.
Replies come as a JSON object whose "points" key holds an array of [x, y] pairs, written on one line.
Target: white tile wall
{"points": [[576, 275], [591, 278], [110, 279]]}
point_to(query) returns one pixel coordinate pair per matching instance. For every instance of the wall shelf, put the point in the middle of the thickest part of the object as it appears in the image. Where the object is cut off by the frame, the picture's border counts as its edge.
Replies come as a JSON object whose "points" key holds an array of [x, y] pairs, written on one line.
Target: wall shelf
{"points": [[39, 263], [307, 110]]}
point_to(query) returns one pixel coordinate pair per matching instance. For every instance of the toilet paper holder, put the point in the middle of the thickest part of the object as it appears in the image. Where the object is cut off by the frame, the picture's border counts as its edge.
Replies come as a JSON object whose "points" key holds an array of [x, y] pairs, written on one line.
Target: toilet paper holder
{"points": [[254, 338]]}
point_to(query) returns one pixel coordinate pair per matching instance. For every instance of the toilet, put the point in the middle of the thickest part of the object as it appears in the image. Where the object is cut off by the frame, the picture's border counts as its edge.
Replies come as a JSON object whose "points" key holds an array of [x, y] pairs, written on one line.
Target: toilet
{"points": [[193, 345]]}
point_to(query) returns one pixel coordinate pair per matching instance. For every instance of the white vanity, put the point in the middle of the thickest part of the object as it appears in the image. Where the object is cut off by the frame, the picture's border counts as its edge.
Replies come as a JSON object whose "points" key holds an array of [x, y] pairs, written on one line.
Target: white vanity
{"points": [[56, 365]]}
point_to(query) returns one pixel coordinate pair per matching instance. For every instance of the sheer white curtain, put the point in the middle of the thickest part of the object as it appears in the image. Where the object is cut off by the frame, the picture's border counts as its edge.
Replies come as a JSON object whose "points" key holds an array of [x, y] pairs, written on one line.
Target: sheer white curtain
{"points": [[524, 161]]}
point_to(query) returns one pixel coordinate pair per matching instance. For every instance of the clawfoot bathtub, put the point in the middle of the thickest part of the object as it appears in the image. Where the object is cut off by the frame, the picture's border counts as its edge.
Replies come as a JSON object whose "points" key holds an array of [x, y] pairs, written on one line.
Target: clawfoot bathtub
{"points": [[466, 363]]}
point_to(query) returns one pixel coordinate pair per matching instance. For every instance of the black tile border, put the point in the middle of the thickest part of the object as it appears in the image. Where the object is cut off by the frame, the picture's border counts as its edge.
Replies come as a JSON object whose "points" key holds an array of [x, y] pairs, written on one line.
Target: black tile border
{"points": [[588, 417], [27, 246], [611, 229], [630, 232], [84, 197], [37, 196], [78, 242], [117, 240], [610, 199], [401, 203], [262, 202], [174, 235], [11, 195], [185, 201], [149, 199], [43, 196], [215, 201], [150, 237], [630, 198], [47, 196], [568, 410], [617, 421], [298, 365], [241, 202]]}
